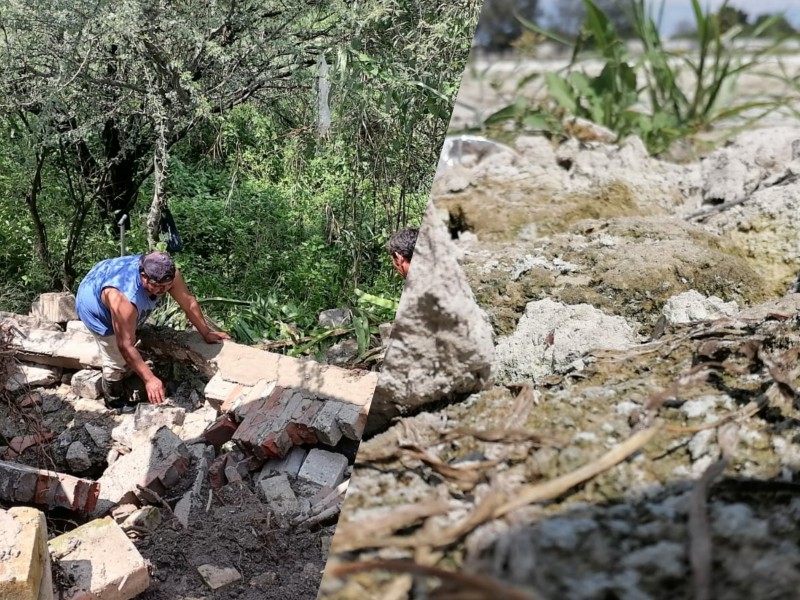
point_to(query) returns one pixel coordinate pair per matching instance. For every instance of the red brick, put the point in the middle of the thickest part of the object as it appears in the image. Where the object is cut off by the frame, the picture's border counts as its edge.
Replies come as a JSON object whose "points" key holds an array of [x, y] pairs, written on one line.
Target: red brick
{"points": [[21, 484], [221, 431], [299, 427], [237, 392], [216, 472]]}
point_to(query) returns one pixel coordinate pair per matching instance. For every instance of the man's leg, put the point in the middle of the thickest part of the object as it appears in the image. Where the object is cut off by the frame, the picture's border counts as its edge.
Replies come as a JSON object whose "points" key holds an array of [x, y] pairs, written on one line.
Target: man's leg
{"points": [[115, 370]]}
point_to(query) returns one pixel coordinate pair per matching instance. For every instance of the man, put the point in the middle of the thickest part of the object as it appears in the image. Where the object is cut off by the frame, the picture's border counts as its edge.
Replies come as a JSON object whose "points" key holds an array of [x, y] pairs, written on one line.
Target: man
{"points": [[401, 248], [115, 297]]}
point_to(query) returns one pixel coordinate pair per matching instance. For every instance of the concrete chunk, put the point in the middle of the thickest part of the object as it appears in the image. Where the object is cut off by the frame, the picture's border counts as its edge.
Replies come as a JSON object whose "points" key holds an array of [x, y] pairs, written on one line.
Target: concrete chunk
{"points": [[87, 383], [23, 374], [221, 392], [154, 415], [77, 326], [102, 562], [218, 577], [58, 307], [24, 559], [156, 466], [70, 350], [323, 468]]}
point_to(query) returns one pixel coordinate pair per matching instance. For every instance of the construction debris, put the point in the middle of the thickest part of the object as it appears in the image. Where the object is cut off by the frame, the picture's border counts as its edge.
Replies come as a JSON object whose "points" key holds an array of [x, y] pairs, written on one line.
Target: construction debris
{"points": [[24, 568], [238, 428]]}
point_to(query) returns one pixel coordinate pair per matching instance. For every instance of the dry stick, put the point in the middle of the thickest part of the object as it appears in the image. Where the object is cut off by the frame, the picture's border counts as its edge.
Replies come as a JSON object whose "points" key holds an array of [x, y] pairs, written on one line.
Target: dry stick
{"points": [[559, 485], [489, 586], [154, 497], [699, 531]]}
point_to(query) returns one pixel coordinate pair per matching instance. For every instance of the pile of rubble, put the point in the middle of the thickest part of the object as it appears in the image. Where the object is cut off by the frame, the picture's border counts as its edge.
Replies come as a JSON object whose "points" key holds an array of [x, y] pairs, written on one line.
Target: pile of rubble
{"points": [[248, 444]]}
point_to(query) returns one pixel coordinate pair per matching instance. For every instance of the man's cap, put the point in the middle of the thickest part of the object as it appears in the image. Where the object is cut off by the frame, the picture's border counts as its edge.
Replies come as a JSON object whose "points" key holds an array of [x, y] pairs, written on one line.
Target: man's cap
{"points": [[157, 267]]}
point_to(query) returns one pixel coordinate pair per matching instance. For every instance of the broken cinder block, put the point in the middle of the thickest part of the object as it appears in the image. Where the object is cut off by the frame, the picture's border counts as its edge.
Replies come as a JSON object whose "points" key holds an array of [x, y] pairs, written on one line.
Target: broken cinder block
{"points": [[102, 562], [24, 559], [58, 307], [154, 415], [352, 420], [218, 577], [87, 383], [323, 468]]}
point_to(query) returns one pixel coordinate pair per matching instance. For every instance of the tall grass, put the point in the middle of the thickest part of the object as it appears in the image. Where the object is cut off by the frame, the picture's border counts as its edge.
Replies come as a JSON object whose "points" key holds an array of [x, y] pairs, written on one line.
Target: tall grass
{"points": [[648, 95]]}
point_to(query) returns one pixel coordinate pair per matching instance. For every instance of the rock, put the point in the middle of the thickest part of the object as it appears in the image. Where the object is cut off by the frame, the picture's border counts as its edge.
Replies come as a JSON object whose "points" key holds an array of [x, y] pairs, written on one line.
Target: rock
{"points": [[693, 306], [552, 336], [735, 171], [441, 347], [342, 353], [218, 577], [586, 131], [99, 435], [470, 149], [154, 415], [265, 580], [147, 517], [78, 457], [335, 317]]}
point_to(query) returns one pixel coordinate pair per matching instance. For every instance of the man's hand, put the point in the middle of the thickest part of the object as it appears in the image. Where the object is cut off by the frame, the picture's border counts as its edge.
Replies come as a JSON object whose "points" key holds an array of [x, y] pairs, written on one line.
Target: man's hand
{"points": [[155, 391], [215, 337]]}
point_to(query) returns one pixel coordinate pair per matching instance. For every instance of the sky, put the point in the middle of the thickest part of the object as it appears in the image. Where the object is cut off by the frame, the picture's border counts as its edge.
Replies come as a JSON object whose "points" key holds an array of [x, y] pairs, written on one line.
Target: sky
{"points": [[676, 11]]}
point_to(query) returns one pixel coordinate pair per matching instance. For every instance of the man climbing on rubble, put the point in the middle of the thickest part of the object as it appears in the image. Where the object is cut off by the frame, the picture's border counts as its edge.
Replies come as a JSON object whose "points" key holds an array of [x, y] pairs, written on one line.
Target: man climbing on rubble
{"points": [[115, 297], [401, 248]]}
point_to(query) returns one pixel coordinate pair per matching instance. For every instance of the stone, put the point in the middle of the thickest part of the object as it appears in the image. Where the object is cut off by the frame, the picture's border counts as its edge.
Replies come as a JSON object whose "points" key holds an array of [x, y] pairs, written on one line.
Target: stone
{"points": [[147, 517], [88, 383], [216, 577], [99, 435], [101, 561], [158, 415], [196, 422], [265, 580], [441, 347], [691, 306], [24, 560], [58, 307], [78, 457], [157, 465], [289, 464], [20, 484], [342, 353], [385, 331], [323, 468], [335, 317], [551, 337], [279, 496], [23, 375]]}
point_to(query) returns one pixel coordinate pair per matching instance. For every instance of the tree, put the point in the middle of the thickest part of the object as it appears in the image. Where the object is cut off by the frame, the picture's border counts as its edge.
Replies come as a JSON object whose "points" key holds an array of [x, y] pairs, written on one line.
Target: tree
{"points": [[103, 90], [570, 14], [499, 23], [729, 17]]}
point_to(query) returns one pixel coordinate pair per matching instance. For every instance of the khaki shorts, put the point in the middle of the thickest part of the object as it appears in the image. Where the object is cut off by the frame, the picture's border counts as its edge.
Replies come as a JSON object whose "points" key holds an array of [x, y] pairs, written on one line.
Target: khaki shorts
{"points": [[115, 368]]}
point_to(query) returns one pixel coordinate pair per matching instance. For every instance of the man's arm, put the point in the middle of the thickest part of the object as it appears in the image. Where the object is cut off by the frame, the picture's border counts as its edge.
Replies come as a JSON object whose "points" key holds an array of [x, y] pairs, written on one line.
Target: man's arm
{"points": [[180, 292], [123, 321]]}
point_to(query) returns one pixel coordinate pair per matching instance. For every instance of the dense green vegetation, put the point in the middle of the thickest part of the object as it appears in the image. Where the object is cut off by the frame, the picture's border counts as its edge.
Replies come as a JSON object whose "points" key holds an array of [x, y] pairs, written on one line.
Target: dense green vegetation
{"points": [[288, 142]]}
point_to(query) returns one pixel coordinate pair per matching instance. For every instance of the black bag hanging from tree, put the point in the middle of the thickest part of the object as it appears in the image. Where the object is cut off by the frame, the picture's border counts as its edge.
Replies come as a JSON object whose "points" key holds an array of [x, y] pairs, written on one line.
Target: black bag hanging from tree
{"points": [[170, 231]]}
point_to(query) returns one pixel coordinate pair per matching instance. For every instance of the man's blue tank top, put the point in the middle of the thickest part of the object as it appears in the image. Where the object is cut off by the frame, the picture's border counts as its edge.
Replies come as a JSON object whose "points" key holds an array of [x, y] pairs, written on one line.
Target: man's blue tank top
{"points": [[121, 273]]}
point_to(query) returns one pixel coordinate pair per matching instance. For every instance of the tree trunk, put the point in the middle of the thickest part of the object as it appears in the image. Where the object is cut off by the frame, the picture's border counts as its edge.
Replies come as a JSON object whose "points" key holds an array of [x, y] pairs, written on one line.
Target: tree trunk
{"points": [[41, 246], [159, 193]]}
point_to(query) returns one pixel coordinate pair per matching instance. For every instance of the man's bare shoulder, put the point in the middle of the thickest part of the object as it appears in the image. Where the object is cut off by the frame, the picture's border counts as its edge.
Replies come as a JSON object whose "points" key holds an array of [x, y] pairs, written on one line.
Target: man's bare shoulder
{"points": [[115, 300]]}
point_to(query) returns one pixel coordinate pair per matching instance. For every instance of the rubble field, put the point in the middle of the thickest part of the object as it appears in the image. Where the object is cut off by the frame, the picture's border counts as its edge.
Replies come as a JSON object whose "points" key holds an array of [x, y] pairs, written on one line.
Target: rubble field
{"points": [[230, 489]]}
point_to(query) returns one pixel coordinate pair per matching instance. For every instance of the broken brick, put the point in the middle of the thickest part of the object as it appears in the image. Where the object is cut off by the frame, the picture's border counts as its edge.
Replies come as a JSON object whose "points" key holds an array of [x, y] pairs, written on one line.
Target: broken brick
{"points": [[19, 444], [351, 420], [263, 432], [216, 471], [219, 391], [23, 484], [218, 577], [325, 426], [263, 389], [220, 432], [299, 426], [323, 468], [87, 383]]}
